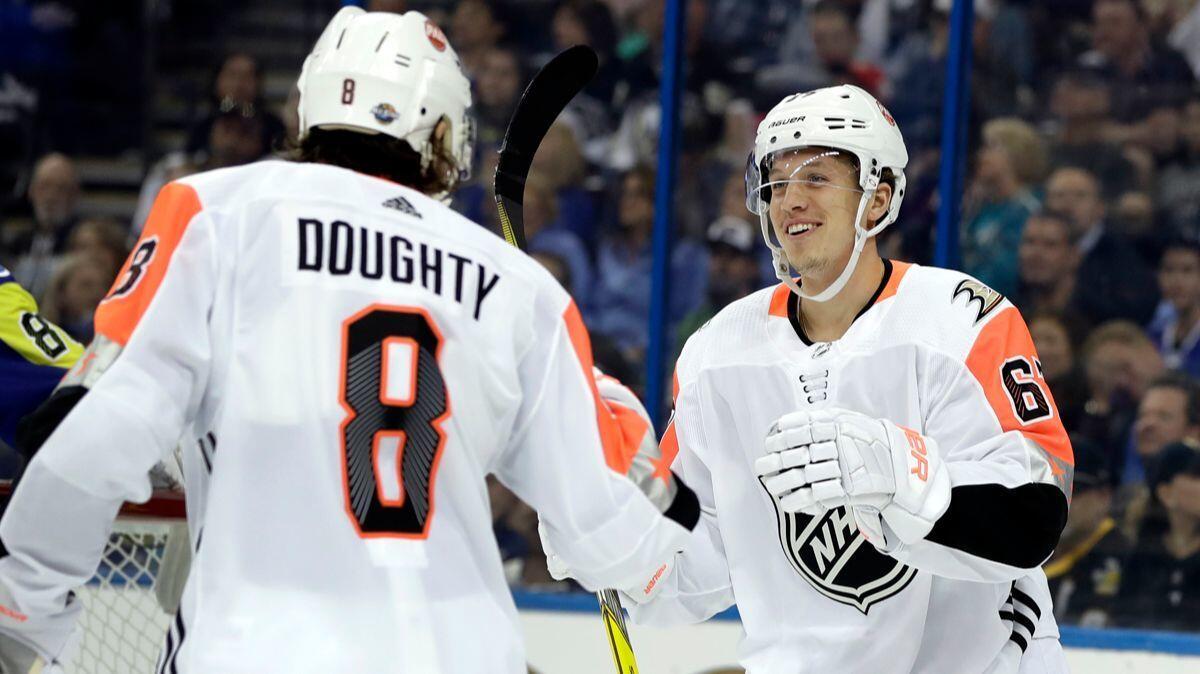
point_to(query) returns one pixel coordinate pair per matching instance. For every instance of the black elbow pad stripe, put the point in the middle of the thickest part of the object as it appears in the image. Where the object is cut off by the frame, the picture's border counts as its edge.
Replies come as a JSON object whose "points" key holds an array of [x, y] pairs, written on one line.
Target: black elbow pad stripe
{"points": [[1018, 527], [685, 507], [36, 427]]}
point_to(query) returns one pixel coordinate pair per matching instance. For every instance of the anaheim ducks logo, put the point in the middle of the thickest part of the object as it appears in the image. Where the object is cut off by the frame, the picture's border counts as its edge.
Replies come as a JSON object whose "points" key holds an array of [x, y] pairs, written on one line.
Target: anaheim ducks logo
{"points": [[829, 553], [975, 291]]}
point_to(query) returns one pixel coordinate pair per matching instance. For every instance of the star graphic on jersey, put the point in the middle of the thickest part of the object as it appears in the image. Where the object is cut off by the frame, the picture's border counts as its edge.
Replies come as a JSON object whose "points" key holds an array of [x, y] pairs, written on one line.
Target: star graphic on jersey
{"points": [[662, 468]]}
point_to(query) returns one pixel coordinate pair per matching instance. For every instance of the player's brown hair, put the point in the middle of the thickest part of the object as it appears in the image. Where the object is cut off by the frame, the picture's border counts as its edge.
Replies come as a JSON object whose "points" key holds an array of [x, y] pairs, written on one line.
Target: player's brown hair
{"points": [[377, 155]]}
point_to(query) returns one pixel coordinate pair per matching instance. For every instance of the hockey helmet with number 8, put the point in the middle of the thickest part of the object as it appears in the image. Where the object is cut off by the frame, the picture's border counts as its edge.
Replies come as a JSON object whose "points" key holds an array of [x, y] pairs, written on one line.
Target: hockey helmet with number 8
{"points": [[393, 74], [843, 118]]}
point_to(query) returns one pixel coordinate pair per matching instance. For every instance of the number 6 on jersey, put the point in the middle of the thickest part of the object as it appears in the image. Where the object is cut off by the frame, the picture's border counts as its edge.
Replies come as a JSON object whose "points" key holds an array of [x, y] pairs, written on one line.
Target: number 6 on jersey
{"points": [[395, 401]]}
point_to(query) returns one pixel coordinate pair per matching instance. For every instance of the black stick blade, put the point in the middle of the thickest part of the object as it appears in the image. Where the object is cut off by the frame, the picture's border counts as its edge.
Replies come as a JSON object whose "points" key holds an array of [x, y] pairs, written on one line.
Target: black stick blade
{"points": [[551, 89]]}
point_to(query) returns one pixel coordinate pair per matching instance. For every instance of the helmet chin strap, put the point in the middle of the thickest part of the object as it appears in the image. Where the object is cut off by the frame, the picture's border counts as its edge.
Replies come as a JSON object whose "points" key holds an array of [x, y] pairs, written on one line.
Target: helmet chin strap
{"points": [[783, 268]]}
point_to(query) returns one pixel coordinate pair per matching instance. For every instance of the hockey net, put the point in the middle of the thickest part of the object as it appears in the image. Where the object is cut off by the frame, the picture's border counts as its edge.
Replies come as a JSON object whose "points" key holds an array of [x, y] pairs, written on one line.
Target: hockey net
{"points": [[130, 601]]}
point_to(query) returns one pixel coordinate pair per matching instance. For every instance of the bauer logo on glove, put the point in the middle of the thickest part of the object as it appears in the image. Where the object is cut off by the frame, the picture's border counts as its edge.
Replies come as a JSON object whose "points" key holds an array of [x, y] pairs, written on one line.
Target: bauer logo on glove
{"points": [[890, 478]]}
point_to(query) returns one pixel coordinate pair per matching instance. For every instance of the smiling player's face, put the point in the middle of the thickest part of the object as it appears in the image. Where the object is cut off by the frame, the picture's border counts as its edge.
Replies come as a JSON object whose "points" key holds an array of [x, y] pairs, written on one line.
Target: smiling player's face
{"points": [[814, 197]]}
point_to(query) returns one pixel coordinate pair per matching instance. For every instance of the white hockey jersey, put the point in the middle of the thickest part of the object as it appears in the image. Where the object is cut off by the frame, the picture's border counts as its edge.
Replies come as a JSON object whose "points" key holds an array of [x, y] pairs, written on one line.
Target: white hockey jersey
{"points": [[935, 351], [346, 360]]}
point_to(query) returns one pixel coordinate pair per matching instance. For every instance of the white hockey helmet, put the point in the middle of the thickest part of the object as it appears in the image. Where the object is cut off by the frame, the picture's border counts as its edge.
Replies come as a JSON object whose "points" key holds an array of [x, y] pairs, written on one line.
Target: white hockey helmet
{"points": [[394, 74], [844, 118]]}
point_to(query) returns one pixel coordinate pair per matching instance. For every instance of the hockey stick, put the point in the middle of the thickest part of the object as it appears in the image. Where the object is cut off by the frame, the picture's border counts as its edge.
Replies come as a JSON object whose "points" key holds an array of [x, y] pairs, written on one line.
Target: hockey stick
{"points": [[551, 89]]}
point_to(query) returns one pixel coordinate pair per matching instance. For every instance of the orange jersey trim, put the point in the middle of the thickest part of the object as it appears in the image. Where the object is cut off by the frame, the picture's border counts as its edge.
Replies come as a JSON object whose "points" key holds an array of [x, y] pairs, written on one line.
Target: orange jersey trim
{"points": [[140, 277], [1002, 339], [779, 301], [899, 269], [779, 297], [621, 429]]}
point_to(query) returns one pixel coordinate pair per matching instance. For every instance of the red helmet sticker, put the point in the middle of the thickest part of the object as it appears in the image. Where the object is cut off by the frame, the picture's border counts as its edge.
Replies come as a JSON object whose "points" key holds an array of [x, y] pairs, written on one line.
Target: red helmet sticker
{"points": [[436, 37], [886, 115]]}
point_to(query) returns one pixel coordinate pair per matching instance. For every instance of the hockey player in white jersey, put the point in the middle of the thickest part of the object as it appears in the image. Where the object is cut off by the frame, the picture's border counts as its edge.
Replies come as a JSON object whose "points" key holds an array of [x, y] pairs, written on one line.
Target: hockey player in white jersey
{"points": [[880, 465], [358, 358]]}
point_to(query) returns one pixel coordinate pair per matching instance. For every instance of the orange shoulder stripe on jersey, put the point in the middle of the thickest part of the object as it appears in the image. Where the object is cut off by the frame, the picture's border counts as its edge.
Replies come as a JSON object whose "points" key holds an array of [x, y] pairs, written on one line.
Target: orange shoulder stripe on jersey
{"points": [[669, 444], [1003, 340], [621, 429], [779, 300], [899, 269], [142, 274]]}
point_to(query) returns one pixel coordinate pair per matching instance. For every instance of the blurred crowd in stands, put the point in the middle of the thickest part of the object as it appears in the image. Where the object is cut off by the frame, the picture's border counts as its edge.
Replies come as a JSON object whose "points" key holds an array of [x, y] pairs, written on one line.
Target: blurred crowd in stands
{"points": [[1082, 206]]}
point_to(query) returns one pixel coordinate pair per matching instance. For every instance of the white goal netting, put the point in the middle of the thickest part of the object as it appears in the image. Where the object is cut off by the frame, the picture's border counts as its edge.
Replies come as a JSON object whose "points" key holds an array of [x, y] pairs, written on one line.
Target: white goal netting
{"points": [[124, 622]]}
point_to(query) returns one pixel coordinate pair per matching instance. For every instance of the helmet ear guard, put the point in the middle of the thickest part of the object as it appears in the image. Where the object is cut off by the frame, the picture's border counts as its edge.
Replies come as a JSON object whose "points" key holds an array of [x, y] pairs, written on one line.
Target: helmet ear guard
{"points": [[844, 118]]}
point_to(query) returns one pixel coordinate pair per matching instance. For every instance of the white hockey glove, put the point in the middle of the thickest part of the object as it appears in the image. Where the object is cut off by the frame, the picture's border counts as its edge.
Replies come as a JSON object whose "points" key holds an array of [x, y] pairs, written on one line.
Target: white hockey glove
{"points": [[30, 644], [891, 479]]}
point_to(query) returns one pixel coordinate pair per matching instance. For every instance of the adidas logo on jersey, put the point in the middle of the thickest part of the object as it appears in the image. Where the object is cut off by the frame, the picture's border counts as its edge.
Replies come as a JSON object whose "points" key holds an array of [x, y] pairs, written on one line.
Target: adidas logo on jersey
{"points": [[403, 205]]}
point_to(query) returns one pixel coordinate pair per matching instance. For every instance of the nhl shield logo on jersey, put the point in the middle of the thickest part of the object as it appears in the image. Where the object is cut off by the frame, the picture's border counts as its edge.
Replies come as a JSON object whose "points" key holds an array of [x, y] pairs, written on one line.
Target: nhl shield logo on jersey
{"points": [[829, 553]]}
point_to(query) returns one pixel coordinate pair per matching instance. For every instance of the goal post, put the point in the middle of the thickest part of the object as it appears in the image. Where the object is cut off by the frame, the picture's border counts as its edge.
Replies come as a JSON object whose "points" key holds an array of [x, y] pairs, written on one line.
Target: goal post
{"points": [[130, 600]]}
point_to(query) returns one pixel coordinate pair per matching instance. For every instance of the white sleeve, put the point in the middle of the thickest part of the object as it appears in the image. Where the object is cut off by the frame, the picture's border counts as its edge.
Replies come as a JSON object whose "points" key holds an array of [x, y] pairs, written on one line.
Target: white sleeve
{"points": [[147, 370], [698, 586], [569, 458], [1008, 455]]}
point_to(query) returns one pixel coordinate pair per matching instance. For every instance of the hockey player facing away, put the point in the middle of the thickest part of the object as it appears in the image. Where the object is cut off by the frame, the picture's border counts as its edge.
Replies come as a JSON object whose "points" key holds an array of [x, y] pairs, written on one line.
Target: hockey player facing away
{"points": [[357, 357], [880, 466]]}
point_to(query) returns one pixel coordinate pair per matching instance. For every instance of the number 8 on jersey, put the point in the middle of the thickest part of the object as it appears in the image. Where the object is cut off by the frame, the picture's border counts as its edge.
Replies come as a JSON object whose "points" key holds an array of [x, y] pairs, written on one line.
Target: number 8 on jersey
{"points": [[395, 401]]}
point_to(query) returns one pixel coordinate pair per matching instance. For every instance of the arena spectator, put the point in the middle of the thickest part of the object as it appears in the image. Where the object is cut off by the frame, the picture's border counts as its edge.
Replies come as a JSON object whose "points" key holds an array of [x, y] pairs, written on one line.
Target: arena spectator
{"points": [[1161, 133], [1160, 588], [234, 138], [475, 27], [1080, 107], [1085, 570], [1002, 55], [873, 25], [834, 37], [543, 235], [498, 84], [1010, 164], [1048, 265], [1114, 282], [1176, 325], [1169, 412], [621, 299], [237, 90], [1134, 221], [1143, 72], [1176, 196], [559, 159], [1182, 20], [733, 271], [1119, 363], [54, 197], [1055, 336], [79, 283], [591, 22], [101, 238], [605, 353]]}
